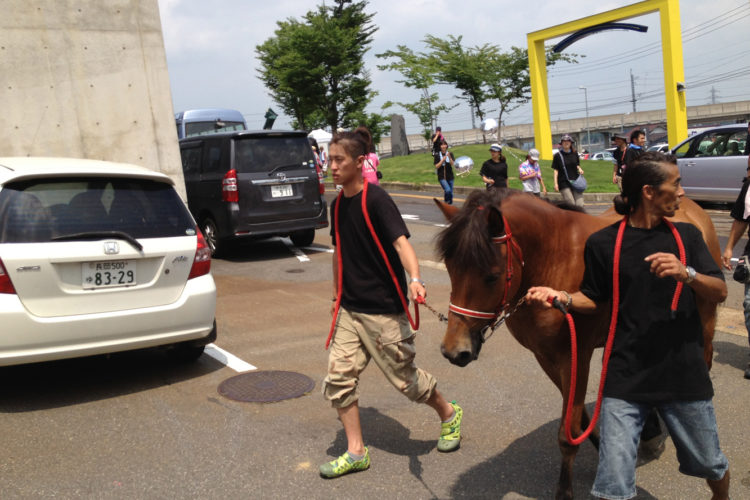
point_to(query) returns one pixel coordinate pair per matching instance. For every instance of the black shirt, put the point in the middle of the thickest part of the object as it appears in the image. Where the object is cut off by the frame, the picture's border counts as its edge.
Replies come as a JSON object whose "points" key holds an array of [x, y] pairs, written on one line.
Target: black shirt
{"points": [[620, 157], [497, 171], [445, 171], [738, 211], [571, 167], [654, 358], [367, 284]]}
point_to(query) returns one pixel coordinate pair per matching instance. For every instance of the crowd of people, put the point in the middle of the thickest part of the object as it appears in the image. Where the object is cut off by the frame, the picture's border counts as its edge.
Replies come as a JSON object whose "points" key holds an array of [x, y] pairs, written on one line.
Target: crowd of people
{"points": [[371, 322]]}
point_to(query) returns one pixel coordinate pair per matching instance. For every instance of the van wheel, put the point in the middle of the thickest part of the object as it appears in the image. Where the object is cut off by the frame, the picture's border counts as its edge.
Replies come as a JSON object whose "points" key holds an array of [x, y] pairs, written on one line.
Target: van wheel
{"points": [[208, 226], [303, 238]]}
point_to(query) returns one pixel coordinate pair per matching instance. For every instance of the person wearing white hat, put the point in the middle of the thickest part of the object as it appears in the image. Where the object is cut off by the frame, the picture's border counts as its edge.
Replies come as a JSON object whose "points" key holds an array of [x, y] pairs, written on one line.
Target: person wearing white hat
{"points": [[494, 171], [531, 175]]}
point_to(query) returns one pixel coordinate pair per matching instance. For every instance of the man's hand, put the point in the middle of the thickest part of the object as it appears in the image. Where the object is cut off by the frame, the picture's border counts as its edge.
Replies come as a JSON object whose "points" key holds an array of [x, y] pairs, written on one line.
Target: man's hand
{"points": [[417, 290], [665, 264], [726, 258]]}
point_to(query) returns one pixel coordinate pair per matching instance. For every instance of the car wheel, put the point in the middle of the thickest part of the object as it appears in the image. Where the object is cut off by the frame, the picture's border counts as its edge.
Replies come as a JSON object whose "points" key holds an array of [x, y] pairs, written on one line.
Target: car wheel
{"points": [[208, 226], [189, 351], [303, 238]]}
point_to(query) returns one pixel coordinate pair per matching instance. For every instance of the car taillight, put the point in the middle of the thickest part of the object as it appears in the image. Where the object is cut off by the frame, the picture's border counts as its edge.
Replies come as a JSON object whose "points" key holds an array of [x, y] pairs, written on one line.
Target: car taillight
{"points": [[229, 187], [202, 260], [5, 284], [321, 183]]}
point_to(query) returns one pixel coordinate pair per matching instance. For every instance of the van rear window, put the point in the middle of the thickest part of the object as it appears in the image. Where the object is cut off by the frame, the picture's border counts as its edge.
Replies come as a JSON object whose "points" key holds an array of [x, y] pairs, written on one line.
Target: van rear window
{"points": [[263, 154], [36, 211]]}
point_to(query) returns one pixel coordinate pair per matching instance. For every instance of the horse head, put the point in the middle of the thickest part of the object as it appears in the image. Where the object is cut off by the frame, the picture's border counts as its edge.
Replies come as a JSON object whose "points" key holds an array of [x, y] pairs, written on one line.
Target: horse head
{"points": [[475, 251]]}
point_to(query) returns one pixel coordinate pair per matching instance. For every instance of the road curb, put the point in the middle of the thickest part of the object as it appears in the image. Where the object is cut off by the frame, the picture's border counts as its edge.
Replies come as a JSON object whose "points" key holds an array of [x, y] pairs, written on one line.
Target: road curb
{"points": [[465, 190]]}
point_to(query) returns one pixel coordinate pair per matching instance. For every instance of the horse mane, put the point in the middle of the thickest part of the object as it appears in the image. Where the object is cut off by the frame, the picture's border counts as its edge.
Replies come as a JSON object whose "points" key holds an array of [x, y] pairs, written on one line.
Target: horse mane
{"points": [[466, 240]]}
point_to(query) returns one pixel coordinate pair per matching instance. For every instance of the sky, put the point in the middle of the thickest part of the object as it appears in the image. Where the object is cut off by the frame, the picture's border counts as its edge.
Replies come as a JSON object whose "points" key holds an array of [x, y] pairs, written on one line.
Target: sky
{"points": [[211, 57]]}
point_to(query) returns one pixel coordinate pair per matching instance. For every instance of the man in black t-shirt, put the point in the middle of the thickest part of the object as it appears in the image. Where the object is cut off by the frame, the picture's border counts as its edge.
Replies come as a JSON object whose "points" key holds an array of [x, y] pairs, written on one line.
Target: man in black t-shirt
{"points": [[634, 149], [741, 215], [657, 354], [620, 141], [371, 323]]}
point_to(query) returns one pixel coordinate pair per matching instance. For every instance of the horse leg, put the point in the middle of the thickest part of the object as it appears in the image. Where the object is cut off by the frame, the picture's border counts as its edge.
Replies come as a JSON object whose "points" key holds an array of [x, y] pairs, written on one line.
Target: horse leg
{"points": [[559, 372], [585, 421]]}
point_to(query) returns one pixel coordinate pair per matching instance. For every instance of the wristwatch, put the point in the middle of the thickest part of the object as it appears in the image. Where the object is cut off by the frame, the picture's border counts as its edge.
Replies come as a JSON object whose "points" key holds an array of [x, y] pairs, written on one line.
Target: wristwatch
{"points": [[417, 280], [690, 274]]}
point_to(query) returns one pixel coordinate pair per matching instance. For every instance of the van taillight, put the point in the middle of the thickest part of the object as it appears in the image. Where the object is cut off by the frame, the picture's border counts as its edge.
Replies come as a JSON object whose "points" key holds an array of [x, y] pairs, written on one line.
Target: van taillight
{"points": [[321, 183], [5, 284], [229, 187], [202, 260]]}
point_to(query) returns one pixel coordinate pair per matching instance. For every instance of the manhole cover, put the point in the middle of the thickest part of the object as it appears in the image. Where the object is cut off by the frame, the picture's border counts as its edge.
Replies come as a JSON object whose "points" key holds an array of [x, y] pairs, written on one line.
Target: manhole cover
{"points": [[266, 386]]}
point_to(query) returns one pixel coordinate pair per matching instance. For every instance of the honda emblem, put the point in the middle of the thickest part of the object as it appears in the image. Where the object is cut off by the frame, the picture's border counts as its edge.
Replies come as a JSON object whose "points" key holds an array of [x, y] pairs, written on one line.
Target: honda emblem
{"points": [[111, 247]]}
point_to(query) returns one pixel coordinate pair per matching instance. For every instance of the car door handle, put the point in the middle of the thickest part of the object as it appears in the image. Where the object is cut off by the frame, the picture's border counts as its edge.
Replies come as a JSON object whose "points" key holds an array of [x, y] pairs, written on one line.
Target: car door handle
{"points": [[690, 164]]}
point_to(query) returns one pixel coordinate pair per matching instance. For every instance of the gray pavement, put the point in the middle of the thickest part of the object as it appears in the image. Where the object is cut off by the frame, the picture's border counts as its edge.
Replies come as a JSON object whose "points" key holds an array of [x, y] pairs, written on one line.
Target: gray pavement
{"points": [[138, 426]]}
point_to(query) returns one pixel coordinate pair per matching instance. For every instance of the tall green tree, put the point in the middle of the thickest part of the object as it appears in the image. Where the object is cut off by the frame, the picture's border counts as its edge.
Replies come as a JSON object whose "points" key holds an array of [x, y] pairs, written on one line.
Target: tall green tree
{"points": [[506, 77], [463, 68], [314, 68], [418, 74]]}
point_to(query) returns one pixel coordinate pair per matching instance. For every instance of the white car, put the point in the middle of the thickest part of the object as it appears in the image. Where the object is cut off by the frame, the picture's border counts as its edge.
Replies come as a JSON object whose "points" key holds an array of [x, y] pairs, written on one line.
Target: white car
{"points": [[98, 257]]}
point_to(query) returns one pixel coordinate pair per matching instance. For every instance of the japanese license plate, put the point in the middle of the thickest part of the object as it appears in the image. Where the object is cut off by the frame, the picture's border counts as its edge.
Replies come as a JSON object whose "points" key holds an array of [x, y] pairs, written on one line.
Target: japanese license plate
{"points": [[108, 274], [281, 191]]}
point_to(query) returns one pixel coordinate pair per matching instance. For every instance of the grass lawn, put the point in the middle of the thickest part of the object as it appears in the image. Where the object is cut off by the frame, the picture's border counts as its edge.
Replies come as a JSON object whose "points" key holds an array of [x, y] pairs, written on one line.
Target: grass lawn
{"points": [[418, 169]]}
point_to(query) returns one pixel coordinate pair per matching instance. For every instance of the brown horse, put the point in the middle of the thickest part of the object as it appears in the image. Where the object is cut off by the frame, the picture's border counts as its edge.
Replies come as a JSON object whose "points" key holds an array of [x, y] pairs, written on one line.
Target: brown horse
{"points": [[501, 243]]}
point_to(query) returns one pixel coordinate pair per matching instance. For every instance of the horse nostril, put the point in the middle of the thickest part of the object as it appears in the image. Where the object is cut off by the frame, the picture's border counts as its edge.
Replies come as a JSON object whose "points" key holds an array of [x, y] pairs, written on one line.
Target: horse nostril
{"points": [[463, 358]]}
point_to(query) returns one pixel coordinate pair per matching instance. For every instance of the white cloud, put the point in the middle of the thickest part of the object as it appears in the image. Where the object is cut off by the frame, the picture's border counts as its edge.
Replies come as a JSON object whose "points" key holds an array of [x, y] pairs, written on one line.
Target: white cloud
{"points": [[211, 49]]}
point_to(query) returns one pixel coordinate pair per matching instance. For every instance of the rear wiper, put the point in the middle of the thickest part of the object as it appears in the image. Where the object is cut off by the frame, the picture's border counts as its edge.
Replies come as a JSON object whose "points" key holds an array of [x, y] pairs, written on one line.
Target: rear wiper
{"points": [[290, 165], [96, 235]]}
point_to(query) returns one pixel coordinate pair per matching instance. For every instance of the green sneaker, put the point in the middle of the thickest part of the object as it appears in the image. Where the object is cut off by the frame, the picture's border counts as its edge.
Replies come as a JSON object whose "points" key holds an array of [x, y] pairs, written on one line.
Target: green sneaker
{"points": [[344, 465], [450, 435]]}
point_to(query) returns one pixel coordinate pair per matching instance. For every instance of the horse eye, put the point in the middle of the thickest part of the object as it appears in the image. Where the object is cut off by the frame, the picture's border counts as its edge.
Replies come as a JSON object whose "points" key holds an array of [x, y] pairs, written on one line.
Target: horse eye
{"points": [[491, 279]]}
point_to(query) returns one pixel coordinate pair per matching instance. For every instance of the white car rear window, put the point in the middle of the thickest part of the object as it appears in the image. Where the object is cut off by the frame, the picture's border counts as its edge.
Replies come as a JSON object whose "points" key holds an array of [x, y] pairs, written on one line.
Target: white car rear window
{"points": [[42, 210]]}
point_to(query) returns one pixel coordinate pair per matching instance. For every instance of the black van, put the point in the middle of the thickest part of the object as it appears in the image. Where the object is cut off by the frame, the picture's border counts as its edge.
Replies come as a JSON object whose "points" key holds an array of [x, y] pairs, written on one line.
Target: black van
{"points": [[252, 184]]}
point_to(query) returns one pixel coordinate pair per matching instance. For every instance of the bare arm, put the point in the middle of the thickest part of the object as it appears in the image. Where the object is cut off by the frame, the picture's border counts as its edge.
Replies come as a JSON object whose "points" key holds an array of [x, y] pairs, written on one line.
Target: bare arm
{"points": [[557, 188], [735, 233], [578, 301], [665, 264], [409, 260]]}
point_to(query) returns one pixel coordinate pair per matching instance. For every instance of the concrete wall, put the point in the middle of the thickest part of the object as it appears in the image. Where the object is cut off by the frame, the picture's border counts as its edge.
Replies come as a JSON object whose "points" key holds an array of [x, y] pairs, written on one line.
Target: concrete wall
{"points": [[87, 78], [698, 116]]}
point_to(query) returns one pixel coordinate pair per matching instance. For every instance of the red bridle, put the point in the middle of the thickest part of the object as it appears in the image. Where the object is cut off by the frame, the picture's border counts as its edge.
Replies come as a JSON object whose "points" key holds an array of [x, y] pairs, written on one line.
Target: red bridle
{"points": [[498, 316]]}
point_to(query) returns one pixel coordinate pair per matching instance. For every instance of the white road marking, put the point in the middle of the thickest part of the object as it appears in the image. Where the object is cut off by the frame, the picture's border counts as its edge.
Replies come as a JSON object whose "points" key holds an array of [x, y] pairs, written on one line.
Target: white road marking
{"points": [[228, 359], [431, 263], [319, 249], [295, 250], [409, 217]]}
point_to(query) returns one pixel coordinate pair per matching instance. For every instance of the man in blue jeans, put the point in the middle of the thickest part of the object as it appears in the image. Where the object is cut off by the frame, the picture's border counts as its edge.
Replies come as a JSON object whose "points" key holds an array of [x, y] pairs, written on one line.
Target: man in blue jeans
{"points": [[657, 353]]}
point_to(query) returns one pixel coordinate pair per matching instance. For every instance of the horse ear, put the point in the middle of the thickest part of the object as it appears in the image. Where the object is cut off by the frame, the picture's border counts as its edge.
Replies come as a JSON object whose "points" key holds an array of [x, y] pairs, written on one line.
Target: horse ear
{"points": [[449, 211], [495, 223]]}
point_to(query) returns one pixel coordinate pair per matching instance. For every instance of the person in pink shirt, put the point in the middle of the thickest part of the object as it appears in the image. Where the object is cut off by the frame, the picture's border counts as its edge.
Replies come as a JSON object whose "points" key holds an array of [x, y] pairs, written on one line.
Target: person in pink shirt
{"points": [[372, 162]]}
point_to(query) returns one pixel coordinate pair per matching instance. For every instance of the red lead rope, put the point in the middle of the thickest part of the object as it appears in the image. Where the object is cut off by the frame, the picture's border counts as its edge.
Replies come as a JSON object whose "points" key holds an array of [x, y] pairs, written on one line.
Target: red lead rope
{"points": [[339, 266], [611, 335]]}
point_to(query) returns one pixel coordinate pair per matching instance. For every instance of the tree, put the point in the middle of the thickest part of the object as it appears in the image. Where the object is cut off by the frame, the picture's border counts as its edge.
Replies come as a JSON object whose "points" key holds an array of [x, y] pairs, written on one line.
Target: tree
{"points": [[418, 74], [506, 77], [452, 64], [314, 68]]}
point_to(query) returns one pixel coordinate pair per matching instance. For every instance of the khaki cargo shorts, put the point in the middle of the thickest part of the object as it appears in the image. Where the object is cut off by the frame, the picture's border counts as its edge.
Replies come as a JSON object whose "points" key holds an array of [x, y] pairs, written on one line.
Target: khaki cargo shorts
{"points": [[389, 341]]}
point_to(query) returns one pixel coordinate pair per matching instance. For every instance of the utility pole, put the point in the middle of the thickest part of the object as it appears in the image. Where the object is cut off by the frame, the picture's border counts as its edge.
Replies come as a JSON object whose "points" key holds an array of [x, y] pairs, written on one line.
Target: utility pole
{"points": [[713, 95], [632, 89]]}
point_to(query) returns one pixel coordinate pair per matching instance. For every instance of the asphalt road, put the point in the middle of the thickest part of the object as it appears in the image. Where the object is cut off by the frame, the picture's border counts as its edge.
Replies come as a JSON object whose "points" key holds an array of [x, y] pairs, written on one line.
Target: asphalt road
{"points": [[136, 425]]}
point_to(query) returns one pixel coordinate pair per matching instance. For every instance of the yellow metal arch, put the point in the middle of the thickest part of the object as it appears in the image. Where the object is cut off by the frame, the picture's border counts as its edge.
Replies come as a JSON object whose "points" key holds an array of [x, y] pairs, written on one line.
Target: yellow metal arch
{"points": [[674, 72]]}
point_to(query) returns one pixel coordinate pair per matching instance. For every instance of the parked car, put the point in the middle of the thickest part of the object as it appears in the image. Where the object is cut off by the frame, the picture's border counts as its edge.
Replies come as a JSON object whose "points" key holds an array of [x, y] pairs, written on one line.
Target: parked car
{"points": [[661, 147], [603, 155], [254, 184], [98, 257], [713, 163]]}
